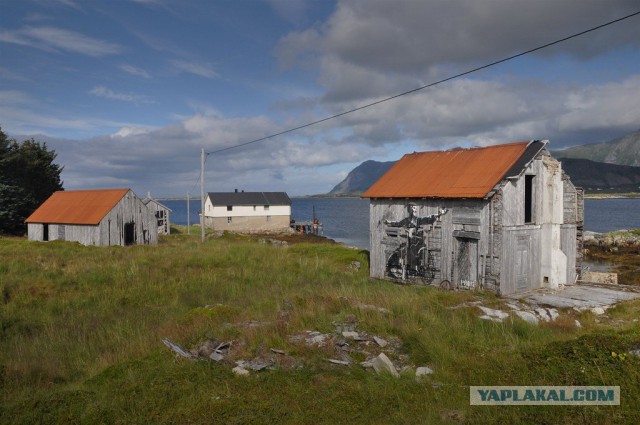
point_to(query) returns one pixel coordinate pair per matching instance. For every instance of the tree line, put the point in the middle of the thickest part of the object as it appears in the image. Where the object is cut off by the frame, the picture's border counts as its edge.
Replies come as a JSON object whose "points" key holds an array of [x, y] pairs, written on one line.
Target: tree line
{"points": [[28, 176]]}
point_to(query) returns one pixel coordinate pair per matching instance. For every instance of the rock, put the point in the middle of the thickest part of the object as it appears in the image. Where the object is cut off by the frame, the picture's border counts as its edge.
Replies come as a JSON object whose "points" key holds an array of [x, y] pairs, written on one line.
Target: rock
{"points": [[273, 350], [216, 357], [498, 314], [240, 371], [493, 319], [339, 362], [381, 342], [600, 277], [543, 314], [553, 313], [635, 353], [350, 334], [382, 364], [598, 311], [355, 266], [423, 371], [316, 338], [527, 316], [578, 324]]}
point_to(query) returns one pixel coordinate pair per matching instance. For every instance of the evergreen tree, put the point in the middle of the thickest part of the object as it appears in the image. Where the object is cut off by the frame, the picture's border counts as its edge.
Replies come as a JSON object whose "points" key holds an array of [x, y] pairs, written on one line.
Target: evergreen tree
{"points": [[28, 176]]}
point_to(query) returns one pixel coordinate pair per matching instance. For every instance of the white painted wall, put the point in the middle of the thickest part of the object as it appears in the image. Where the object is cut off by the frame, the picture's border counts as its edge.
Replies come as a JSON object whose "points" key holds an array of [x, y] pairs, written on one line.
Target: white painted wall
{"points": [[245, 210]]}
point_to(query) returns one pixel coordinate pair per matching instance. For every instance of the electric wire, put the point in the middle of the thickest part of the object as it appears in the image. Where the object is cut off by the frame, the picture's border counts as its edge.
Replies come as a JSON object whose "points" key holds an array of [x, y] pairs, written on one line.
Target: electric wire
{"points": [[386, 99]]}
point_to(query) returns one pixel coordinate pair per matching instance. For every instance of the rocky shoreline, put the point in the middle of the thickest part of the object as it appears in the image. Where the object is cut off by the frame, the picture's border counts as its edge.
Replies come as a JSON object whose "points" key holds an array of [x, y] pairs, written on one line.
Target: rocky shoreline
{"points": [[621, 249]]}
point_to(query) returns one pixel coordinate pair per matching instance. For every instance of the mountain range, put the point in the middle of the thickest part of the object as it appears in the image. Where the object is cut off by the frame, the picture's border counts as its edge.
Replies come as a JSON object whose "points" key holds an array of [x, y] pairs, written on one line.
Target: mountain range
{"points": [[613, 166]]}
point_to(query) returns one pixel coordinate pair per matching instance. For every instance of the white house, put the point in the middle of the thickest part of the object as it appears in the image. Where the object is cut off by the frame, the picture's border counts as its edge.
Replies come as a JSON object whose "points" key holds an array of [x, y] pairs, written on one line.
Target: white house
{"points": [[247, 211]]}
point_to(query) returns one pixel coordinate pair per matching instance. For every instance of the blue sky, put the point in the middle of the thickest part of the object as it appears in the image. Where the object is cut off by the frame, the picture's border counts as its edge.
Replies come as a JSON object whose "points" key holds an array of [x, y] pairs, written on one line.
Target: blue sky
{"points": [[128, 91]]}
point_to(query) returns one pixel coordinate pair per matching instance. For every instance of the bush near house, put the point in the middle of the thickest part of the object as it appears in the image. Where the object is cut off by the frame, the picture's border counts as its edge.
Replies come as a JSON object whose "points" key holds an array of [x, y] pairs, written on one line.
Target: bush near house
{"points": [[28, 176]]}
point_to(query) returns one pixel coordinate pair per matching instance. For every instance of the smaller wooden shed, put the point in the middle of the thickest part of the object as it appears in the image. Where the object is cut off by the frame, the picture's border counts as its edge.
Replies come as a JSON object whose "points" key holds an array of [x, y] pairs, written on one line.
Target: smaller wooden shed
{"points": [[161, 212], [94, 217], [504, 217]]}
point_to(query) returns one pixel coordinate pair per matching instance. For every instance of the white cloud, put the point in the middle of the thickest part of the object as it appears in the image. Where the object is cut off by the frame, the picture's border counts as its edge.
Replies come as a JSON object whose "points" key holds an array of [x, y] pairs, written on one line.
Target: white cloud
{"points": [[56, 39], [133, 70], [196, 68], [101, 91]]}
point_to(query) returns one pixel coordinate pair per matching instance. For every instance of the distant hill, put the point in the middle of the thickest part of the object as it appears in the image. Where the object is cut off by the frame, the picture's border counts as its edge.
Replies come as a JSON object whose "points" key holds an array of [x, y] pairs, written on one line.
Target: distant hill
{"points": [[611, 167], [591, 175], [361, 178], [622, 151]]}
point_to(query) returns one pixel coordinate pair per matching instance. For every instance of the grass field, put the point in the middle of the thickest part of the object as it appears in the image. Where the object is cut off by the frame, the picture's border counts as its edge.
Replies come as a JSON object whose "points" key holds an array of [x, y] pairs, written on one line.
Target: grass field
{"points": [[81, 332]]}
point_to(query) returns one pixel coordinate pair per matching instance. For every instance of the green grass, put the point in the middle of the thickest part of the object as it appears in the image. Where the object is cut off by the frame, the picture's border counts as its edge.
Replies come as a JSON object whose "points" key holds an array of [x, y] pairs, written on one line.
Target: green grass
{"points": [[81, 332]]}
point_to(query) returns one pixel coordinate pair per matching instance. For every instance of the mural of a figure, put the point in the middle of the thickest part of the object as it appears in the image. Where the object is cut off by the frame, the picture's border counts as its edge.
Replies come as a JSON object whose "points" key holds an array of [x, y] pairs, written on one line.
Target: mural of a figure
{"points": [[408, 260]]}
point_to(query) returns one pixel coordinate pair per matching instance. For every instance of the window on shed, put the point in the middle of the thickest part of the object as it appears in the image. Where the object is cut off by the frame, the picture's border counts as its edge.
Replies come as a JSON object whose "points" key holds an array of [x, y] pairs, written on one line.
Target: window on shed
{"points": [[528, 199], [229, 207], [254, 207], [266, 207]]}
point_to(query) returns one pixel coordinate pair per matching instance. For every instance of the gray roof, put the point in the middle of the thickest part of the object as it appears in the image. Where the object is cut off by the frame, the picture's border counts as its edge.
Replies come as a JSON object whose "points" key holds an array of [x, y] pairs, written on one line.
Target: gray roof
{"points": [[147, 200], [249, 198]]}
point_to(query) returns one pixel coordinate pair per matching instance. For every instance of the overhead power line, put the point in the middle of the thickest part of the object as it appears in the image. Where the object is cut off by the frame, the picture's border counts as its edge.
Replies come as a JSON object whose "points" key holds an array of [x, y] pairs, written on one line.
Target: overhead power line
{"points": [[386, 99]]}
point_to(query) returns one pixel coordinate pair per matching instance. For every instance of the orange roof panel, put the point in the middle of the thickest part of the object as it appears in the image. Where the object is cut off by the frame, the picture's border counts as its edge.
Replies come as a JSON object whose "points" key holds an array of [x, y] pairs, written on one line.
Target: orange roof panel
{"points": [[77, 206], [458, 173]]}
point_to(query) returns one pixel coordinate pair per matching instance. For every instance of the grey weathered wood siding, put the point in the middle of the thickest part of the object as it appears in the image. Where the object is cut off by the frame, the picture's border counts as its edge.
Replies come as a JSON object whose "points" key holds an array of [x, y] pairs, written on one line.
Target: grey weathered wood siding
{"points": [[110, 230], [466, 220], [130, 209], [490, 238]]}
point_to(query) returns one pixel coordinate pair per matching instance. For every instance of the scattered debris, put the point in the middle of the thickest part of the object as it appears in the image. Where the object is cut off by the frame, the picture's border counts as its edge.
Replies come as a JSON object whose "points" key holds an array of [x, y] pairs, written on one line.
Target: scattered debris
{"points": [[382, 364], [177, 349], [422, 372], [240, 371], [339, 362], [381, 342], [216, 357], [355, 266], [273, 350]]}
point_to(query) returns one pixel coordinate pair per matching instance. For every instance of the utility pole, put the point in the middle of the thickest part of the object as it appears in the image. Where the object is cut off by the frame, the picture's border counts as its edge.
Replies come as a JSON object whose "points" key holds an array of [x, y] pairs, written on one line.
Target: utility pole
{"points": [[202, 193], [188, 216]]}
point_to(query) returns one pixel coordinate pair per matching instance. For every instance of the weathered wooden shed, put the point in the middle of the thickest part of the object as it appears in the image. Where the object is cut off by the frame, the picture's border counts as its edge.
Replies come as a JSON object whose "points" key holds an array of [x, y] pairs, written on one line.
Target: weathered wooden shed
{"points": [[94, 217], [502, 217], [161, 212]]}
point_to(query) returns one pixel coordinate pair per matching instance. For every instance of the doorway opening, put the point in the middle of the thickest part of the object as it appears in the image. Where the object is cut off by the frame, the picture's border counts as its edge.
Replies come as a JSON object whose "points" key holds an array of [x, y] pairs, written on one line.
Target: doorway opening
{"points": [[45, 232], [129, 233]]}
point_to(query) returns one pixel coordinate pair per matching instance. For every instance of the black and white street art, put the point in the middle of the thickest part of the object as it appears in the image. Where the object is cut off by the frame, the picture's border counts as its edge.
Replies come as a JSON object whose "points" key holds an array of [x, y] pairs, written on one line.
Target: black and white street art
{"points": [[411, 258]]}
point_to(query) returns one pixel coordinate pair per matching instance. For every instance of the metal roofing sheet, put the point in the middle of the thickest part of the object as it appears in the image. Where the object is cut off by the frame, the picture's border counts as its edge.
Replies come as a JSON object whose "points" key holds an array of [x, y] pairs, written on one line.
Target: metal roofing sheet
{"points": [[458, 173], [249, 198], [77, 206]]}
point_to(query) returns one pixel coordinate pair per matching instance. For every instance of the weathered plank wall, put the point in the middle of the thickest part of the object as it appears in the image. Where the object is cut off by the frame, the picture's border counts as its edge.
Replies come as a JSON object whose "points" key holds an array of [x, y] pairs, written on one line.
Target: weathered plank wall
{"points": [[130, 209], [465, 220]]}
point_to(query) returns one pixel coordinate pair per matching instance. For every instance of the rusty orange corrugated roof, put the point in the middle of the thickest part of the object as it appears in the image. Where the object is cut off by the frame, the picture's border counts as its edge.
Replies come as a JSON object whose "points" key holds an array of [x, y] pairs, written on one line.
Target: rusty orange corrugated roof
{"points": [[458, 173], [77, 206]]}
